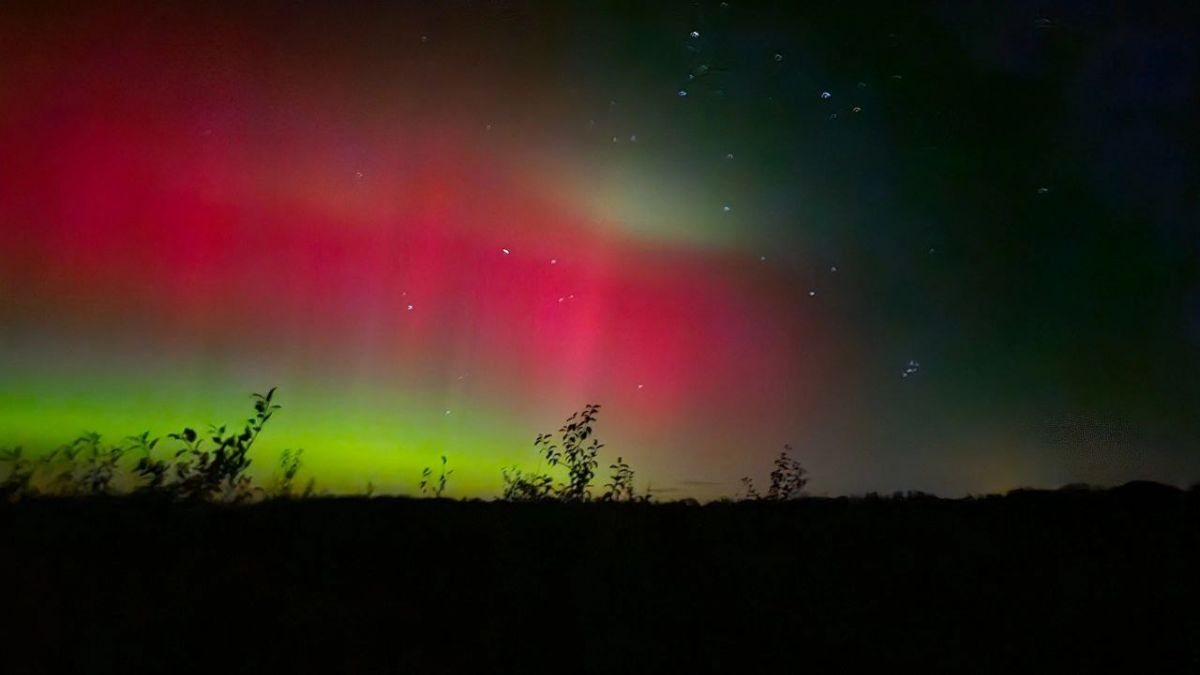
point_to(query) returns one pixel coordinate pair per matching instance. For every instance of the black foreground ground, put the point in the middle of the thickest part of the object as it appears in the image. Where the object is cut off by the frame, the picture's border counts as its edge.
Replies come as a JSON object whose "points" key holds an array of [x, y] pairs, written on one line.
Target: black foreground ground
{"points": [[1050, 582]]}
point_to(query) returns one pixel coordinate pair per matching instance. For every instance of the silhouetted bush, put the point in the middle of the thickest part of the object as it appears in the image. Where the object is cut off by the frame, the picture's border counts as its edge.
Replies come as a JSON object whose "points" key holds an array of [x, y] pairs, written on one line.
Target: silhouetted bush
{"points": [[151, 472], [620, 486], [431, 487], [748, 492], [87, 467], [787, 480], [220, 473], [18, 477], [573, 452], [520, 486], [579, 458], [289, 465]]}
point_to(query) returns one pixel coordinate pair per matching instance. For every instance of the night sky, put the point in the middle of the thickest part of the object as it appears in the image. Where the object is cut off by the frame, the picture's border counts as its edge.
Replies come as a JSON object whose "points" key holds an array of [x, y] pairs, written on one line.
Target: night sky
{"points": [[948, 246]]}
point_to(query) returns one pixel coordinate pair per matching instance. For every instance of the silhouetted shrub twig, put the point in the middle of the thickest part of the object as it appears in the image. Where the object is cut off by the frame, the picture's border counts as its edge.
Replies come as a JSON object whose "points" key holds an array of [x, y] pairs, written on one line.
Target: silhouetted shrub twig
{"points": [[432, 487], [787, 480]]}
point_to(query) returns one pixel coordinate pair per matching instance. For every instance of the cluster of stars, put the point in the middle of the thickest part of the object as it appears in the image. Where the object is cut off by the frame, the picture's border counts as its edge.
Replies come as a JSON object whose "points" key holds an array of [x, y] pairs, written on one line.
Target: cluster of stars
{"points": [[825, 96]]}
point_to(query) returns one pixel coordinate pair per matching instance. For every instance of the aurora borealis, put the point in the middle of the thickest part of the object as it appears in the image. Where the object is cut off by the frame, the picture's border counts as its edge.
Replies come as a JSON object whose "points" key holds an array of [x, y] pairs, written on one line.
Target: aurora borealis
{"points": [[442, 229]]}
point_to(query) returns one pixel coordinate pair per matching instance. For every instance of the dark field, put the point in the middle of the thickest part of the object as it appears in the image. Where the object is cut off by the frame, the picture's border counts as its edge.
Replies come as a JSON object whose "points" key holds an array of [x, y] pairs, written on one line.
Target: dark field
{"points": [[1053, 582]]}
